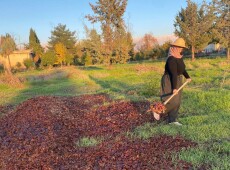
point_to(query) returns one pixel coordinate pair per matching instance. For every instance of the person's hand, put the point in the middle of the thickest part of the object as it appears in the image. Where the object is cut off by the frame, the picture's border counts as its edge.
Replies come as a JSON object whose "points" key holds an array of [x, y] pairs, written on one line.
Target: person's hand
{"points": [[175, 91], [189, 80]]}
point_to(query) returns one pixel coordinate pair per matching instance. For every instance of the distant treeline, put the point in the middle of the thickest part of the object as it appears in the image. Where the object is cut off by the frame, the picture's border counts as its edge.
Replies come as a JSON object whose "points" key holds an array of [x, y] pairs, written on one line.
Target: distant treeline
{"points": [[199, 25]]}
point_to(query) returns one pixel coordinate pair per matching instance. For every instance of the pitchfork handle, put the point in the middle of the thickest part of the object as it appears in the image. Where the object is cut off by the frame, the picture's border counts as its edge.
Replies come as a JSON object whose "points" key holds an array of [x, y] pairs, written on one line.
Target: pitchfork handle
{"points": [[175, 93]]}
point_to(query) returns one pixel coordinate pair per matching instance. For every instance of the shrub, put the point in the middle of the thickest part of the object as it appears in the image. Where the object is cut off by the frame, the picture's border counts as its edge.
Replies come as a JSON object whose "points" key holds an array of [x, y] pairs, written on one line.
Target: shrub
{"points": [[1, 68], [28, 63], [69, 59], [48, 59], [19, 65], [86, 59], [139, 56]]}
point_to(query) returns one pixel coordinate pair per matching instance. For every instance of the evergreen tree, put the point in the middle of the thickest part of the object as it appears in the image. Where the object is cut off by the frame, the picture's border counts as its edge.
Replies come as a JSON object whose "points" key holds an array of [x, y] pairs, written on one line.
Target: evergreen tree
{"points": [[109, 13], [61, 34], [130, 44], [194, 25], [221, 29], [34, 44], [80, 48], [93, 45], [121, 46]]}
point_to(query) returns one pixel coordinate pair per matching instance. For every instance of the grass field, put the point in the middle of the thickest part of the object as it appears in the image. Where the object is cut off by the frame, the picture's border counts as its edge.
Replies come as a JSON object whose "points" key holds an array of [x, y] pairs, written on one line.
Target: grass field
{"points": [[204, 113]]}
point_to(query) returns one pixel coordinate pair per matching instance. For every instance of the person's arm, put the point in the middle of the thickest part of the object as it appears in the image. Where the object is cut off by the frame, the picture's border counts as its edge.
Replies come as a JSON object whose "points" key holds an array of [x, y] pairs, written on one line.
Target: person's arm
{"points": [[186, 74]]}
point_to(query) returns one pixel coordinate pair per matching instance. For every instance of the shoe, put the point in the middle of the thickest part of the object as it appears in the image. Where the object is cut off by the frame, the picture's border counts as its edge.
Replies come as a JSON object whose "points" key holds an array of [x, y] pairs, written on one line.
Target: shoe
{"points": [[175, 123]]}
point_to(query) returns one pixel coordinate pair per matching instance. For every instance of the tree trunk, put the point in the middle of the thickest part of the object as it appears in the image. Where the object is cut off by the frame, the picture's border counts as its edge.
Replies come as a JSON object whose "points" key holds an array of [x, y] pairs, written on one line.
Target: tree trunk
{"points": [[7, 67], [8, 57], [193, 53]]}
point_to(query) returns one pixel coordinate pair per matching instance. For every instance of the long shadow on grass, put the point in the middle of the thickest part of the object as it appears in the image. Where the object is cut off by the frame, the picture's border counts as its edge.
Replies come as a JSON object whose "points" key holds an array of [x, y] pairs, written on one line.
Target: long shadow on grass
{"points": [[148, 61], [90, 68], [114, 86], [56, 83]]}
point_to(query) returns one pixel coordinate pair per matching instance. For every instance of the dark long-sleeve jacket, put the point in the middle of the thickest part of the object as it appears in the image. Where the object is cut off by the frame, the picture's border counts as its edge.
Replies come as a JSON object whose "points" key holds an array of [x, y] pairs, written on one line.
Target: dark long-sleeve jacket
{"points": [[175, 67]]}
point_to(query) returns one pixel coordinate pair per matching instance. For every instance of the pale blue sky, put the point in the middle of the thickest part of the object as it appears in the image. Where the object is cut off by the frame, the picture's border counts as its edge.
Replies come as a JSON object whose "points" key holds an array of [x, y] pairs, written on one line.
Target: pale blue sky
{"points": [[144, 16]]}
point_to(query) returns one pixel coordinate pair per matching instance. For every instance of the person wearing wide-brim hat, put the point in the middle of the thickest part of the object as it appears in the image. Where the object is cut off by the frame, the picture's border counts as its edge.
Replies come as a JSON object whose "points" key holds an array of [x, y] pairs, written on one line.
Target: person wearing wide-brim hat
{"points": [[173, 78]]}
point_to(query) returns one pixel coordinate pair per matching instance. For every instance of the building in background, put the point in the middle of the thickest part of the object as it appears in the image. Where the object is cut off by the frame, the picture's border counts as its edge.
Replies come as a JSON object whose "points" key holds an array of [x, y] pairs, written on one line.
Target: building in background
{"points": [[212, 48], [215, 48], [18, 57]]}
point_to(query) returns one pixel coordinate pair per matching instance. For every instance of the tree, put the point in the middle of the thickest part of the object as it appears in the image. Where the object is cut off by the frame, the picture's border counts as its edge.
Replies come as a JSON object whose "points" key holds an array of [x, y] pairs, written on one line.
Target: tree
{"points": [[61, 53], [48, 58], [148, 42], [86, 59], [109, 13], [146, 45], [161, 51], [194, 25], [69, 59], [7, 46], [221, 29], [130, 44], [34, 44], [92, 45], [79, 53], [61, 34], [166, 46], [122, 46]]}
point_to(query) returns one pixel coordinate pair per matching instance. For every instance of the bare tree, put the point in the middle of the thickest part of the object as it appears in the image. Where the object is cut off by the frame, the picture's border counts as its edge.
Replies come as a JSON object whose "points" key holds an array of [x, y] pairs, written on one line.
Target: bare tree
{"points": [[148, 42]]}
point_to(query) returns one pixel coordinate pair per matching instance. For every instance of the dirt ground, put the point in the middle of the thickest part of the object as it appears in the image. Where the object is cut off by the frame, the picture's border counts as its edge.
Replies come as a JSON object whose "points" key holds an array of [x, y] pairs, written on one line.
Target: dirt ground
{"points": [[42, 133]]}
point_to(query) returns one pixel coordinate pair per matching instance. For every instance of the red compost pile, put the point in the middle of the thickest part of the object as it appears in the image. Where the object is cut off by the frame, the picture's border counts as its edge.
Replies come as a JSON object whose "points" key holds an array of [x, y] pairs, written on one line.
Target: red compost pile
{"points": [[42, 133]]}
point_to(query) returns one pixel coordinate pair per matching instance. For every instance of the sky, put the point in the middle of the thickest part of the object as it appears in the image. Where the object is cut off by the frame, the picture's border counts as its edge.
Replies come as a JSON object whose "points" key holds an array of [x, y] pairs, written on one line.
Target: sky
{"points": [[142, 16]]}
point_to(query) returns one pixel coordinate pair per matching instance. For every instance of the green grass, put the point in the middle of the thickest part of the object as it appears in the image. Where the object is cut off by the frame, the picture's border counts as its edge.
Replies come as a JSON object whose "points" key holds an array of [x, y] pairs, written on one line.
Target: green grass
{"points": [[216, 155], [88, 142], [204, 113]]}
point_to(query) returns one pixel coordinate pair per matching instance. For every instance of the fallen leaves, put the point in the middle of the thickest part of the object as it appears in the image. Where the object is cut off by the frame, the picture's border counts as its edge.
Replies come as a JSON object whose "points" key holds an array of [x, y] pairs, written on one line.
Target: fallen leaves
{"points": [[41, 133]]}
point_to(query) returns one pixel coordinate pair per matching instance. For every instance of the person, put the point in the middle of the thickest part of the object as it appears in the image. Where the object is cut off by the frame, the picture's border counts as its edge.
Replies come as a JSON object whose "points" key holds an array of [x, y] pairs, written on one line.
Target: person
{"points": [[172, 79]]}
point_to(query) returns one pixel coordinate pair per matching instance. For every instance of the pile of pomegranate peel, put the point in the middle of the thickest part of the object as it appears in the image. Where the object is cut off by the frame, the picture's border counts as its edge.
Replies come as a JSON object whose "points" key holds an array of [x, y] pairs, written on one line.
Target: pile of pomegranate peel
{"points": [[158, 107]]}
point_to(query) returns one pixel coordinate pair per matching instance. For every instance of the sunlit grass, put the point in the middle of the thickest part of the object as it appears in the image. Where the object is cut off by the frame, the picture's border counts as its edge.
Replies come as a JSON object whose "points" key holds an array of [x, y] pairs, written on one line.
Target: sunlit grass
{"points": [[88, 142], [214, 155]]}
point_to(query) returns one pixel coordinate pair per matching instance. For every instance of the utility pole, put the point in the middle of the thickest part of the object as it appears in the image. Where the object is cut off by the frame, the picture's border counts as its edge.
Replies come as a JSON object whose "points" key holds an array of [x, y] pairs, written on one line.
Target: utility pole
{"points": [[19, 42]]}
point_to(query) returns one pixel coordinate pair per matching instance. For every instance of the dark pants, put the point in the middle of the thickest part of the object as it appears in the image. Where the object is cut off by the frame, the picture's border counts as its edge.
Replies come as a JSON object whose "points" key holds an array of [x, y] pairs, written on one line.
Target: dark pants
{"points": [[172, 107]]}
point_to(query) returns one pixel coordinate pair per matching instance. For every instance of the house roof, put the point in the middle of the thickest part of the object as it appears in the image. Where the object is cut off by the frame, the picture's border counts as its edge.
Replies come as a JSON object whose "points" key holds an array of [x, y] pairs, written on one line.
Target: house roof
{"points": [[23, 51]]}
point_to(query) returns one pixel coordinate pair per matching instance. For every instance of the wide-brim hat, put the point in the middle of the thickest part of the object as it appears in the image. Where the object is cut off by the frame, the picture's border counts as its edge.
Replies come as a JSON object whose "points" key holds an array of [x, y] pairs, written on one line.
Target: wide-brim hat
{"points": [[180, 42]]}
